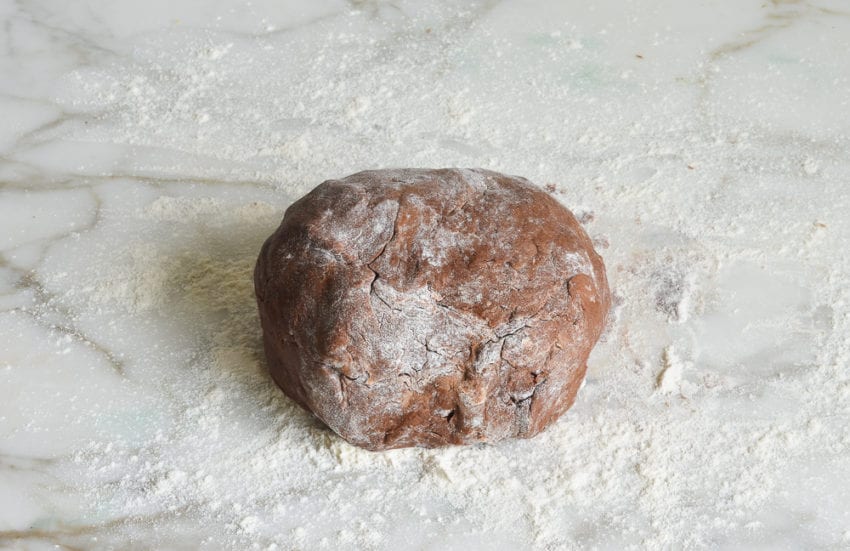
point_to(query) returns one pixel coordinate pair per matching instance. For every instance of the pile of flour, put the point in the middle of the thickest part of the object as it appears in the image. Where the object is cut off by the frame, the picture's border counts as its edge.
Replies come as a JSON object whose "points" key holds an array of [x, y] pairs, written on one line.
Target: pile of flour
{"points": [[715, 407]]}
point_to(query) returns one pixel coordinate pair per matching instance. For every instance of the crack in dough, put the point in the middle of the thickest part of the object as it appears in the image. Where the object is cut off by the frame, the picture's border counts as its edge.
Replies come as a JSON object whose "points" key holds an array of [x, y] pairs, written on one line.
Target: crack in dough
{"points": [[430, 307]]}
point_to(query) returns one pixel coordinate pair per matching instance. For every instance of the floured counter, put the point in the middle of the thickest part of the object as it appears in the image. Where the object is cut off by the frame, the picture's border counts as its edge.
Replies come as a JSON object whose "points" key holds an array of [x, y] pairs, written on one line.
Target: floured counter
{"points": [[150, 149]]}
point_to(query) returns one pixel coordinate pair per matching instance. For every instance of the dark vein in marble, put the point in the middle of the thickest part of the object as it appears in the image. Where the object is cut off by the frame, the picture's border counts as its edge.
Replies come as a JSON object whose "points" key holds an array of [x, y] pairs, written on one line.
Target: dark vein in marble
{"points": [[76, 41], [58, 536], [777, 21], [48, 302], [23, 463], [63, 179]]}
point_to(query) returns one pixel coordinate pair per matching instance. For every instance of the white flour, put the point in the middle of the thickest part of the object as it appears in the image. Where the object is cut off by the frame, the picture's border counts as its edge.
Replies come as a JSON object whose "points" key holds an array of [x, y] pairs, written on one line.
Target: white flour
{"points": [[722, 377]]}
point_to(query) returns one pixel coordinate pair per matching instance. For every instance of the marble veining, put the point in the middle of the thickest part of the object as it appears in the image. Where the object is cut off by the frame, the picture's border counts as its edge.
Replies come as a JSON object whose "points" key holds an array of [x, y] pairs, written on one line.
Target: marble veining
{"points": [[147, 150]]}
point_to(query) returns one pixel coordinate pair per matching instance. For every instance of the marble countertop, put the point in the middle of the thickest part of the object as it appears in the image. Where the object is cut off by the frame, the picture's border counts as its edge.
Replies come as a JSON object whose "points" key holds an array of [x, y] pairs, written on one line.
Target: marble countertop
{"points": [[148, 148]]}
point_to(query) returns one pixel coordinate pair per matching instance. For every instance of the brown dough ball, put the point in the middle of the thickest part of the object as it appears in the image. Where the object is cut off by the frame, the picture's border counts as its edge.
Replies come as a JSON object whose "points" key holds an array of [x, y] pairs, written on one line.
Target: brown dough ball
{"points": [[430, 307]]}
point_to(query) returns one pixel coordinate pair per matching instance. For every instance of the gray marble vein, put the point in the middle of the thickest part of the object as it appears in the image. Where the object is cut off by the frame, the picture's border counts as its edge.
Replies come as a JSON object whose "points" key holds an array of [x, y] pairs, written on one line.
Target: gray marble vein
{"points": [[147, 150]]}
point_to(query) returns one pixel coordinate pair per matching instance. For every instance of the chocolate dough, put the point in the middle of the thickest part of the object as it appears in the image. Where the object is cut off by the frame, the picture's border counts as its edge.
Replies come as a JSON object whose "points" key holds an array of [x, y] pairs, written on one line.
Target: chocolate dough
{"points": [[430, 307]]}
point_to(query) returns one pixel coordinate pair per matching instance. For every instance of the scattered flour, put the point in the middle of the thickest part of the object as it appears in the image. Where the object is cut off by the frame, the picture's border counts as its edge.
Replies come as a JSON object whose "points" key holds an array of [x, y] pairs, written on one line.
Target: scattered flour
{"points": [[241, 457], [705, 453]]}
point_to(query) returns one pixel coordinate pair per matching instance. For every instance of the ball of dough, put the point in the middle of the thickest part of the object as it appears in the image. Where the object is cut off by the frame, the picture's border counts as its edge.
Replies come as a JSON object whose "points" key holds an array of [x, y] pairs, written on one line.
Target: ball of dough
{"points": [[430, 307]]}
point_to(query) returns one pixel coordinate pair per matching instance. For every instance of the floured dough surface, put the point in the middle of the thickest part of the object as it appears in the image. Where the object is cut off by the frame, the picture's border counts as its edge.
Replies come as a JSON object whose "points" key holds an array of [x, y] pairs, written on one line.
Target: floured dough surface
{"points": [[429, 307]]}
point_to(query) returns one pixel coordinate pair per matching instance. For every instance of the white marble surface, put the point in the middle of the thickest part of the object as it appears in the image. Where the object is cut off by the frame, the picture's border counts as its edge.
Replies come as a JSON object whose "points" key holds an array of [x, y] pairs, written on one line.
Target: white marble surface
{"points": [[147, 149]]}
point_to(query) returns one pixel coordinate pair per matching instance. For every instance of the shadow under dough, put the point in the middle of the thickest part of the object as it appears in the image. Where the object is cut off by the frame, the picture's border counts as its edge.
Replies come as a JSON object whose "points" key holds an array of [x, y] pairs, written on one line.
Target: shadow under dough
{"points": [[210, 295]]}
